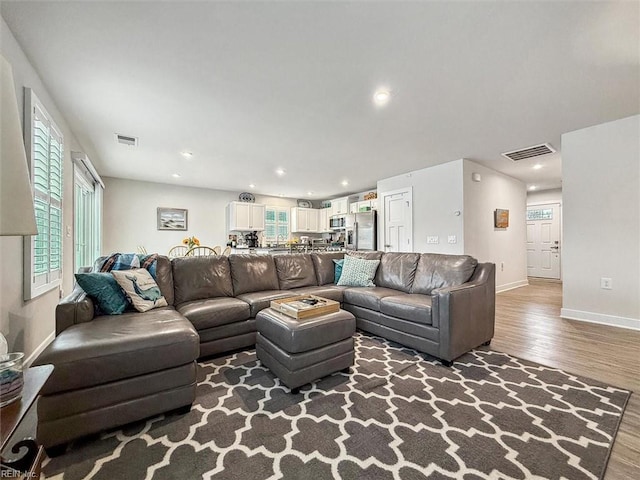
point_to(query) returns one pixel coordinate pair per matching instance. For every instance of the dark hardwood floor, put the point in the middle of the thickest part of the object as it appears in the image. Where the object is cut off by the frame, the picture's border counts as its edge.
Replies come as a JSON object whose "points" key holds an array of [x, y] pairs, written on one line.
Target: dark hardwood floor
{"points": [[528, 325]]}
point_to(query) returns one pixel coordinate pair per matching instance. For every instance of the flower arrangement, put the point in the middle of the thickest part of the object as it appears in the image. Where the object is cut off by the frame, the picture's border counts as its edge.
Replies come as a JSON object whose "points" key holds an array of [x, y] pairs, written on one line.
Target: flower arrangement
{"points": [[191, 241]]}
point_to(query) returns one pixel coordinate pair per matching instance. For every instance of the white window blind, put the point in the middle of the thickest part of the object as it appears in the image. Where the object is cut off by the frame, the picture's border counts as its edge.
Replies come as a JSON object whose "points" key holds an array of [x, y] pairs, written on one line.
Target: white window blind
{"points": [[45, 150]]}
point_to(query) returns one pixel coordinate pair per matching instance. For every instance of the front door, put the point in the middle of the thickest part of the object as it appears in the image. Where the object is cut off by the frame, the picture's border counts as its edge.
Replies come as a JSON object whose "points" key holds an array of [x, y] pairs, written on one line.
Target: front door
{"points": [[397, 217], [543, 240]]}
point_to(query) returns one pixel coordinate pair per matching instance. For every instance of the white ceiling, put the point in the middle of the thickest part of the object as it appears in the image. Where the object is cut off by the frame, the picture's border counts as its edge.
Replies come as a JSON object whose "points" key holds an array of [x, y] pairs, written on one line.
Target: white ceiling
{"points": [[250, 87]]}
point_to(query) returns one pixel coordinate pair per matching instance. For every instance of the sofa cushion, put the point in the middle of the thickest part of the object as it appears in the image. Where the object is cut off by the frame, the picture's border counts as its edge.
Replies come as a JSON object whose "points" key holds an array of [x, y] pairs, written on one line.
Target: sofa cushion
{"points": [[164, 278], [412, 307], [324, 266], [253, 273], [141, 288], [332, 292], [338, 269], [195, 278], [368, 297], [295, 271], [438, 271], [160, 270], [397, 271], [358, 272], [111, 348], [213, 312], [105, 291], [367, 255], [260, 300]]}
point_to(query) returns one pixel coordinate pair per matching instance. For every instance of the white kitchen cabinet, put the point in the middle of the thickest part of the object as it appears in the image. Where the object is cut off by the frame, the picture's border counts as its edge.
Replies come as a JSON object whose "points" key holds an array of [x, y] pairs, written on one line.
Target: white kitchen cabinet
{"points": [[323, 220], [305, 220], [340, 206], [244, 216]]}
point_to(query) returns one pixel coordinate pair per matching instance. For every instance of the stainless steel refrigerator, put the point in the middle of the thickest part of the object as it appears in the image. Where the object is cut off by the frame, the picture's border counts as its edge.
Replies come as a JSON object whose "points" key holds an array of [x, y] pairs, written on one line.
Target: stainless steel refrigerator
{"points": [[361, 231]]}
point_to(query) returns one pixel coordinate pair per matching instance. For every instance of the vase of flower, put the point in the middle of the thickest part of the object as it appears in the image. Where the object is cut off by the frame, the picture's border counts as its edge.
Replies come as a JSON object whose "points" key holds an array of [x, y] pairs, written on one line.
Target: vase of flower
{"points": [[191, 242]]}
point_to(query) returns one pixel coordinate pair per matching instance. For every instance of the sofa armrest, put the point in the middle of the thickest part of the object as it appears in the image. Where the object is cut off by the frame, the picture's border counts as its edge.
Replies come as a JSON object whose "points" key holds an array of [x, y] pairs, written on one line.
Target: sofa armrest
{"points": [[76, 307], [465, 314]]}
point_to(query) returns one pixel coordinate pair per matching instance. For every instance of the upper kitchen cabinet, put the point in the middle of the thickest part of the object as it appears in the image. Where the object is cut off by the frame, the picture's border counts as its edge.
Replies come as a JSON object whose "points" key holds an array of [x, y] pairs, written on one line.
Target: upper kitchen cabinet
{"points": [[244, 217], [323, 220], [305, 220], [363, 206], [340, 206]]}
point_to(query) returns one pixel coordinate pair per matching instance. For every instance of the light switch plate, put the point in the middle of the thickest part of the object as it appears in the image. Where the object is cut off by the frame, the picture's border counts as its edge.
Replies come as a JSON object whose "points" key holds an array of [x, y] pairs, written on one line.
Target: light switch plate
{"points": [[433, 239], [453, 239]]}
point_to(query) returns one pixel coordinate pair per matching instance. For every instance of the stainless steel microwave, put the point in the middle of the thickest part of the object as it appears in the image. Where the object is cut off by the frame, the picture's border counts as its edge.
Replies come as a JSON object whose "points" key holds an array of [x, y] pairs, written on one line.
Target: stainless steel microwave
{"points": [[337, 223]]}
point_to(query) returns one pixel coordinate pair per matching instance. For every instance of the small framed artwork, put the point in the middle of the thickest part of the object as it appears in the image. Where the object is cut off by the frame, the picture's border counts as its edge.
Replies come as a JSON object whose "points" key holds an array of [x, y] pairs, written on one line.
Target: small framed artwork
{"points": [[172, 218], [501, 218]]}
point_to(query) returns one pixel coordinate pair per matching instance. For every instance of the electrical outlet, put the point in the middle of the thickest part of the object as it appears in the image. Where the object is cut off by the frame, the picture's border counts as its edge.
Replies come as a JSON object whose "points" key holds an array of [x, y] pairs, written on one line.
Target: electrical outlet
{"points": [[606, 283], [453, 239], [433, 239]]}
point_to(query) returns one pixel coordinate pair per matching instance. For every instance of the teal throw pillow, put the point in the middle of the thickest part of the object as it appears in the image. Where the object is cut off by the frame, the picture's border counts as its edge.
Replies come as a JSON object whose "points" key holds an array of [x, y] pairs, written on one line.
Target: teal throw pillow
{"points": [[358, 272], [338, 270], [105, 291]]}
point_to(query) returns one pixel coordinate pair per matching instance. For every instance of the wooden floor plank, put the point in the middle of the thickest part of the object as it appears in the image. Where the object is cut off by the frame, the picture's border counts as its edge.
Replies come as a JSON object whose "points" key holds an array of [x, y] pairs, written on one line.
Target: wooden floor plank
{"points": [[528, 325]]}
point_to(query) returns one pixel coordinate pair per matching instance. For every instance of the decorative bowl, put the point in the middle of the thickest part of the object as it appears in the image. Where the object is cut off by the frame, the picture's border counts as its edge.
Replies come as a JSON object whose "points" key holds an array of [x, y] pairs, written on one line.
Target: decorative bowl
{"points": [[11, 380]]}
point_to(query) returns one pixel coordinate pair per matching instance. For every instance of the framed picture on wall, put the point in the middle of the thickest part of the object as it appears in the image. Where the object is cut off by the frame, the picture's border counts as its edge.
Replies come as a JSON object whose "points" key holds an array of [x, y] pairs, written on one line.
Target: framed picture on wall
{"points": [[172, 218], [501, 218]]}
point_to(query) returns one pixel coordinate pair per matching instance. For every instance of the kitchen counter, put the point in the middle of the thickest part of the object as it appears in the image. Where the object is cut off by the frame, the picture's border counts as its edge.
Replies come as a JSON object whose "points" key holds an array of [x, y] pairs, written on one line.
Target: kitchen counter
{"points": [[295, 248]]}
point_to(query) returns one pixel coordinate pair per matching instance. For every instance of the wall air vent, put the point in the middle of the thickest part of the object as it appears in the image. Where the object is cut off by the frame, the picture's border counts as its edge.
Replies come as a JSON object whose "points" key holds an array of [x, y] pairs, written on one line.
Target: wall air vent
{"points": [[127, 140], [530, 152]]}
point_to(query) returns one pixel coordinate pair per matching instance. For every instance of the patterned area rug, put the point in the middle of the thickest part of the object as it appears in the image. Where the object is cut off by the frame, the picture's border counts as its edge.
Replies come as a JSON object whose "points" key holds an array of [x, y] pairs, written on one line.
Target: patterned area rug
{"points": [[399, 414]]}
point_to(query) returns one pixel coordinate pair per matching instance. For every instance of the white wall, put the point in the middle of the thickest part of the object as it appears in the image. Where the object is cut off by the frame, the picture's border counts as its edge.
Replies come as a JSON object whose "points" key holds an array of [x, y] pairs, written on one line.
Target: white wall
{"points": [[503, 246], [601, 196], [130, 213], [29, 325], [437, 194], [553, 195]]}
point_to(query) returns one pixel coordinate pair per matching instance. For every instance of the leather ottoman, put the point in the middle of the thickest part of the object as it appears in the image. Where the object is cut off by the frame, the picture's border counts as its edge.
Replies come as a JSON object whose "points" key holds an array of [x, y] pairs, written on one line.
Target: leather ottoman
{"points": [[301, 351]]}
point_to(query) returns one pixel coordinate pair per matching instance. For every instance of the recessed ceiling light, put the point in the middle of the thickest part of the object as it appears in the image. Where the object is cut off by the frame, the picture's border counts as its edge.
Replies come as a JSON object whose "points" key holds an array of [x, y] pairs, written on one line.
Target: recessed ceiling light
{"points": [[176, 175], [532, 187], [345, 183], [281, 171], [187, 154], [537, 166], [309, 193], [251, 185], [381, 96]]}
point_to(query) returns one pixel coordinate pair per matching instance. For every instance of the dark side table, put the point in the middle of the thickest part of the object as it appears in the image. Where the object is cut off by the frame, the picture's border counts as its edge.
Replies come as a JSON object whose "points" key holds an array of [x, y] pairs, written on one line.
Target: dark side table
{"points": [[20, 454]]}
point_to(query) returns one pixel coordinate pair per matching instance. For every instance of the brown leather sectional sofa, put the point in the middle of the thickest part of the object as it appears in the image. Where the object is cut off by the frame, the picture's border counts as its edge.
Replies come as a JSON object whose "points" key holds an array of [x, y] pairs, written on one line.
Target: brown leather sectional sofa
{"points": [[112, 370]]}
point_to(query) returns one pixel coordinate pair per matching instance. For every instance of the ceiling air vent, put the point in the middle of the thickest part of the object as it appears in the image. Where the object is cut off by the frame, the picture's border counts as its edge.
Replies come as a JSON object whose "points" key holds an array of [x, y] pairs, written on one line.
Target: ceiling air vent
{"points": [[127, 140], [530, 152]]}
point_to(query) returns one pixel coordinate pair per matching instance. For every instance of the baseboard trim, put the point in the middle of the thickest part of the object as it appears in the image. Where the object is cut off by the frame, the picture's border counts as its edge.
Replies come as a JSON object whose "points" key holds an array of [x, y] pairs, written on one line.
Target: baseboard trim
{"points": [[600, 318], [511, 286], [29, 360]]}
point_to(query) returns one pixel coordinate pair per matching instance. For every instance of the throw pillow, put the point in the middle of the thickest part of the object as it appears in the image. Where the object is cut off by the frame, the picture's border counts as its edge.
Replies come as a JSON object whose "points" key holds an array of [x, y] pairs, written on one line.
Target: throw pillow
{"points": [[338, 270], [105, 291], [357, 272], [141, 288]]}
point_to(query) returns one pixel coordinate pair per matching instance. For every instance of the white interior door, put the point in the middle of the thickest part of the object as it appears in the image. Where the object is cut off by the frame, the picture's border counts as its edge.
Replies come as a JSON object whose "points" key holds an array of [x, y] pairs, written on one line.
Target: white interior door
{"points": [[397, 221], [543, 240]]}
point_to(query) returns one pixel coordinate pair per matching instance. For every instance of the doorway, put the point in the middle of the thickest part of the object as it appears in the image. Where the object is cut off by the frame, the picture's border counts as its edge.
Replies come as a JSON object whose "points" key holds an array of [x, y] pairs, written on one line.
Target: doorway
{"points": [[544, 240], [397, 220]]}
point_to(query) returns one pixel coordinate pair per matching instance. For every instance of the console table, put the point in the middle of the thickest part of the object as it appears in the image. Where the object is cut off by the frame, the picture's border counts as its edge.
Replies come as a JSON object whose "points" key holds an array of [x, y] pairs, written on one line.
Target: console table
{"points": [[21, 454]]}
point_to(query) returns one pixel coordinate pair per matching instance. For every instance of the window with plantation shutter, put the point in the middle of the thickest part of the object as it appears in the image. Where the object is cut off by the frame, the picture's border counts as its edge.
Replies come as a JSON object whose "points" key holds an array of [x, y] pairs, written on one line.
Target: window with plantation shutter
{"points": [[276, 224], [45, 150]]}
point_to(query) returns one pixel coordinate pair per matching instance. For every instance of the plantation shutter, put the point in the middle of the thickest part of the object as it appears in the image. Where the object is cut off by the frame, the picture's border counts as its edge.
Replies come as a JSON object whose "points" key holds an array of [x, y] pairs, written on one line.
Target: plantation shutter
{"points": [[43, 255]]}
